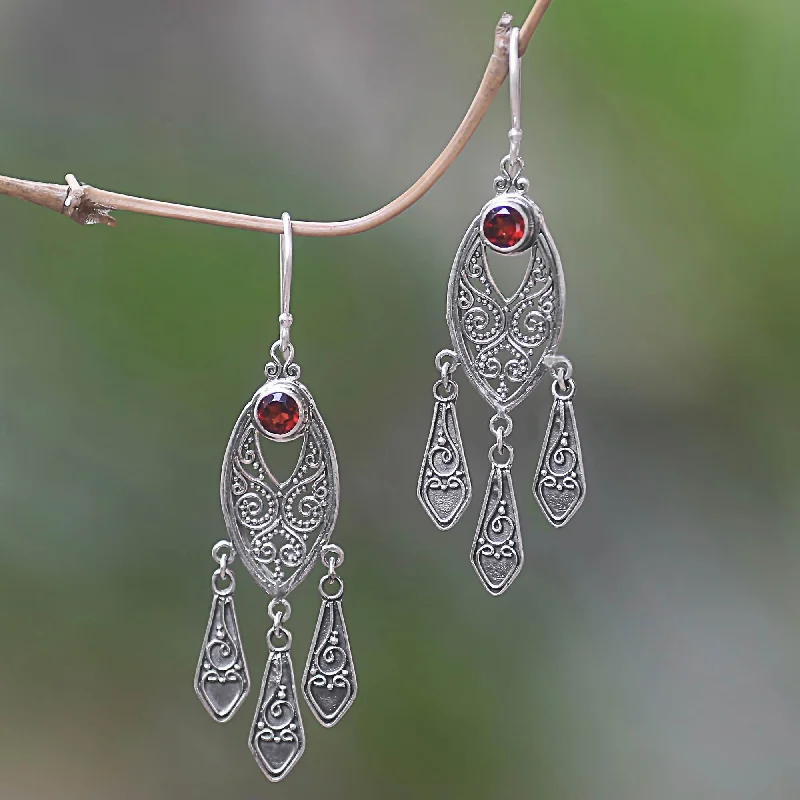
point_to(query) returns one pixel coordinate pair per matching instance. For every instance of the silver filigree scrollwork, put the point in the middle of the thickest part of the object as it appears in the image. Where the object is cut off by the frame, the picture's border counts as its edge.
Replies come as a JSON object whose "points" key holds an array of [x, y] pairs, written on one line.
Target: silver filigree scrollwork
{"points": [[560, 485], [444, 487], [501, 341], [221, 679], [511, 178], [280, 364], [277, 738], [497, 553], [329, 680], [279, 528]]}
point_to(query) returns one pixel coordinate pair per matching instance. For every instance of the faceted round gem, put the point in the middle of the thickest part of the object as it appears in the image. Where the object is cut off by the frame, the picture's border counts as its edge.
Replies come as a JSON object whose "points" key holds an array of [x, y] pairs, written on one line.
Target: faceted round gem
{"points": [[504, 227], [278, 413]]}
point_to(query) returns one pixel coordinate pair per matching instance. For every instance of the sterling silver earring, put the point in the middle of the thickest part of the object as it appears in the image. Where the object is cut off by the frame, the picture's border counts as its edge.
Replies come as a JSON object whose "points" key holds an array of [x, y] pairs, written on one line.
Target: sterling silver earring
{"points": [[504, 345], [279, 530]]}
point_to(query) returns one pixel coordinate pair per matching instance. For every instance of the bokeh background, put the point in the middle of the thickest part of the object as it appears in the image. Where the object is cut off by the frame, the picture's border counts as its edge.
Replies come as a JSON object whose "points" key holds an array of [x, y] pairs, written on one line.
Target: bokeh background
{"points": [[648, 651]]}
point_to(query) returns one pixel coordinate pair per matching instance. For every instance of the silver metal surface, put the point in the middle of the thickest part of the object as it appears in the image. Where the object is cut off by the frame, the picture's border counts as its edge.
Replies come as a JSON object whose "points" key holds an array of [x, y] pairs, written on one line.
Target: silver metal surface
{"points": [[332, 556], [560, 484], [285, 318], [501, 341], [221, 678], [279, 528], [444, 487], [329, 680], [497, 549], [277, 739], [279, 610], [515, 89]]}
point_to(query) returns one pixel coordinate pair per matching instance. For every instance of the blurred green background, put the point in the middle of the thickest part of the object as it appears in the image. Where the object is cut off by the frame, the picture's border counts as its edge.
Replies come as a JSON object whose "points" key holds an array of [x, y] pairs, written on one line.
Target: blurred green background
{"points": [[650, 650]]}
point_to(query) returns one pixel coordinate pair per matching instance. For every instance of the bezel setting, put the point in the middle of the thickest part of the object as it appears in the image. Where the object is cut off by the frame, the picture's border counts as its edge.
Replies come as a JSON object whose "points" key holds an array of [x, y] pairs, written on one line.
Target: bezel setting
{"points": [[293, 389], [527, 209]]}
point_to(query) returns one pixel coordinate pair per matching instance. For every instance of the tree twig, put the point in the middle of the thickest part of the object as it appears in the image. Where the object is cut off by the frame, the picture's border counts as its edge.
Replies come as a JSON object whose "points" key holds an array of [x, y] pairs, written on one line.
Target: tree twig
{"points": [[88, 205]]}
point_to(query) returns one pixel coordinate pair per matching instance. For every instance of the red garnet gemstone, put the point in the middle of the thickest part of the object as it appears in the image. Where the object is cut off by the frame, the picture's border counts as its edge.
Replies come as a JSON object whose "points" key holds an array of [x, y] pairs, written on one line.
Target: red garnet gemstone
{"points": [[278, 413], [504, 227]]}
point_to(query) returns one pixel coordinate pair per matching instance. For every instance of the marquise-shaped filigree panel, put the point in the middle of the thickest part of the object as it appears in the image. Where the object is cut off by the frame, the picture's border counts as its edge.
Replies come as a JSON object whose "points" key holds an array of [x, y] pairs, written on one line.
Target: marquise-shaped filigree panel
{"points": [[278, 529], [501, 340]]}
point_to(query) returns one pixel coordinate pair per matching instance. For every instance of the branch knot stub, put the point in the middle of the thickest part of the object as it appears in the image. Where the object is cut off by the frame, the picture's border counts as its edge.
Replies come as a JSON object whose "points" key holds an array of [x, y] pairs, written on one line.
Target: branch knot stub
{"points": [[81, 209], [502, 34]]}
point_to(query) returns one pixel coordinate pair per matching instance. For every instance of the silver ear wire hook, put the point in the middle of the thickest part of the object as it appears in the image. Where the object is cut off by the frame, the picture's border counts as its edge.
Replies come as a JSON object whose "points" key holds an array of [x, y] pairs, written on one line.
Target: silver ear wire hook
{"points": [[515, 86], [285, 319]]}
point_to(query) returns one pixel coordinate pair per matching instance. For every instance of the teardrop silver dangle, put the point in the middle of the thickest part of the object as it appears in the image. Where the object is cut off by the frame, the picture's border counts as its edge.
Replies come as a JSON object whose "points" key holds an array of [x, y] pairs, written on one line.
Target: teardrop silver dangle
{"points": [[277, 738], [329, 680], [560, 486], [497, 553], [444, 486], [221, 679]]}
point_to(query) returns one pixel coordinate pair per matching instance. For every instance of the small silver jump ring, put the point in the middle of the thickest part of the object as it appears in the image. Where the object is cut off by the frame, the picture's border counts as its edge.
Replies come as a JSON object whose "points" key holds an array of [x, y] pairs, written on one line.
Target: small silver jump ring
{"points": [[494, 451], [567, 392], [223, 544], [332, 556], [222, 591], [445, 372], [555, 360], [448, 397], [507, 426], [450, 365], [273, 611], [274, 633], [325, 580], [223, 566], [285, 318]]}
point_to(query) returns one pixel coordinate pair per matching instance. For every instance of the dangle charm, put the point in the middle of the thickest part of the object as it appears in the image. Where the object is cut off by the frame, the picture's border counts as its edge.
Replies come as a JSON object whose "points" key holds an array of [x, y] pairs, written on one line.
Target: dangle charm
{"points": [[505, 346], [278, 529], [329, 681], [444, 487], [497, 550], [559, 485], [277, 738], [221, 680]]}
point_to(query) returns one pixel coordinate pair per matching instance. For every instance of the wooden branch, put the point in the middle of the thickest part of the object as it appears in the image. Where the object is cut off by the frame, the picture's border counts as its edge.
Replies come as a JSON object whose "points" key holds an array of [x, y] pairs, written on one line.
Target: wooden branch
{"points": [[87, 205]]}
